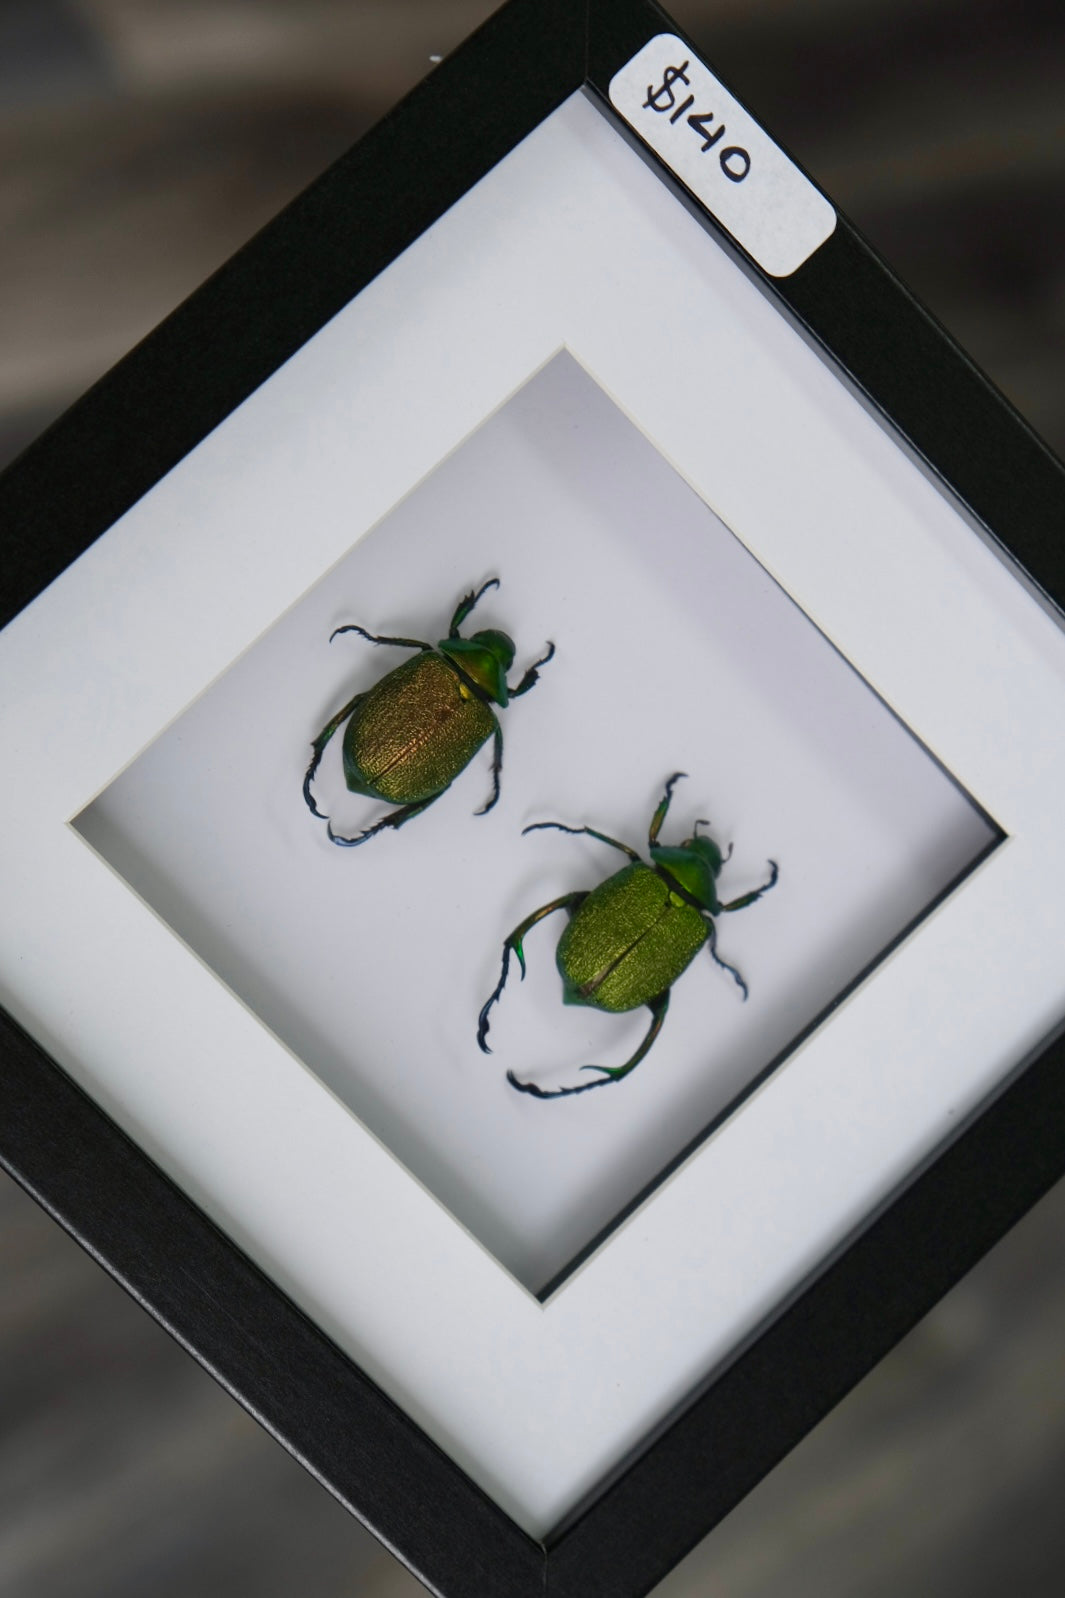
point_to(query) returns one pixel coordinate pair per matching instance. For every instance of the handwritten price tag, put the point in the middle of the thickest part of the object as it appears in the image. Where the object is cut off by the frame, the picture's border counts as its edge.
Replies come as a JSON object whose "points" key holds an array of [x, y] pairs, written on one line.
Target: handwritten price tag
{"points": [[719, 152]]}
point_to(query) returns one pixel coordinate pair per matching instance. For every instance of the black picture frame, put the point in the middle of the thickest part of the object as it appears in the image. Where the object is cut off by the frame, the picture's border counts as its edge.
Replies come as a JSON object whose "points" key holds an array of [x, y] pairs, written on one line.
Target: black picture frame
{"points": [[250, 317]]}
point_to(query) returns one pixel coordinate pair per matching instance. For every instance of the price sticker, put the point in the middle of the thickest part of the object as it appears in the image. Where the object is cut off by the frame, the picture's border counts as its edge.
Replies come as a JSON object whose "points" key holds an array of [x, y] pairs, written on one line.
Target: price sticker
{"points": [[720, 153]]}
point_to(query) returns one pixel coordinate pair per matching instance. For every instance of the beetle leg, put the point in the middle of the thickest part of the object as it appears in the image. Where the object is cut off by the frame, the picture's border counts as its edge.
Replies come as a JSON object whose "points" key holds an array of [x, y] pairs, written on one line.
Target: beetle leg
{"points": [[532, 675], [657, 1007], [538, 826], [731, 969], [663, 807], [514, 942], [466, 604], [497, 767], [749, 898], [395, 818], [375, 638], [318, 746]]}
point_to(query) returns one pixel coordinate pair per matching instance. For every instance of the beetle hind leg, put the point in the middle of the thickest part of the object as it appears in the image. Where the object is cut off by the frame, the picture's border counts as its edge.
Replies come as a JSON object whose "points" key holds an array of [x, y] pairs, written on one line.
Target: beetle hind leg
{"points": [[608, 1073], [515, 942], [395, 818], [318, 745]]}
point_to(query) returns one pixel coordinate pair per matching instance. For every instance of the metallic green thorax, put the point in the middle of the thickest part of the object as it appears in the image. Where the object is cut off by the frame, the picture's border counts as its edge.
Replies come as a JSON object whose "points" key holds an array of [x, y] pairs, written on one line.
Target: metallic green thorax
{"points": [[692, 866], [628, 941], [483, 660], [413, 733]]}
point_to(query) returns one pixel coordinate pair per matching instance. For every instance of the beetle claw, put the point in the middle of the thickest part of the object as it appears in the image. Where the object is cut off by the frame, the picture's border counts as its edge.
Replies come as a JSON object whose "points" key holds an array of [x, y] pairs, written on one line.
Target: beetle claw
{"points": [[608, 1073], [347, 843], [308, 795], [551, 1093], [395, 819], [482, 1019]]}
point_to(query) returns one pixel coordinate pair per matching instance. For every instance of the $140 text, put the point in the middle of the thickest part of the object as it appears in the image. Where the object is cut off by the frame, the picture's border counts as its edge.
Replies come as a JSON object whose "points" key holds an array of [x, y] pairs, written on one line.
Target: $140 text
{"points": [[734, 160]]}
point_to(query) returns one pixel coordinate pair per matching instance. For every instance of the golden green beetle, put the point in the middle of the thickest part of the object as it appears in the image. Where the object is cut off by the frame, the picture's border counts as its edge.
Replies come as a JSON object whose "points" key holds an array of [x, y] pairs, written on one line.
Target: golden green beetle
{"points": [[629, 939], [410, 736]]}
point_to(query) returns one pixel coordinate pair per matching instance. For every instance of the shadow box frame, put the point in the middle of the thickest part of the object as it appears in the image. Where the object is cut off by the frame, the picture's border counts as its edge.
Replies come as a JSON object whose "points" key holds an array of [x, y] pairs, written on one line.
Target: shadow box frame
{"points": [[692, 1464]]}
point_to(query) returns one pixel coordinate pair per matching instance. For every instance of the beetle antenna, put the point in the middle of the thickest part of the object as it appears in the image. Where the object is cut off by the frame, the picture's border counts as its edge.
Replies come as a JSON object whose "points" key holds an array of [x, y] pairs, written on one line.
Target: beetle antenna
{"points": [[702, 822]]}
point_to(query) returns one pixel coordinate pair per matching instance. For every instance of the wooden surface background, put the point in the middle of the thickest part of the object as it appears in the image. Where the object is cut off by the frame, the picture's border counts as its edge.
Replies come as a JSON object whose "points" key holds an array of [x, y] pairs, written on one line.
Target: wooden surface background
{"points": [[142, 141]]}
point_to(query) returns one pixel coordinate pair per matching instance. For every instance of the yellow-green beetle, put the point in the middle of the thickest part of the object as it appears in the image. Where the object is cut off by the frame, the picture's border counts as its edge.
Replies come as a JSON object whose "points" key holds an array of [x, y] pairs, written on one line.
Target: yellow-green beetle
{"points": [[629, 939], [409, 736]]}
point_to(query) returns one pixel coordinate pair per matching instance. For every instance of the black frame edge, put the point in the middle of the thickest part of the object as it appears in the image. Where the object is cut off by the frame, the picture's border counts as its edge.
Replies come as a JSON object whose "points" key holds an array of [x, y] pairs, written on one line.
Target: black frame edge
{"points": [[852, 1315], [57, 1141], [935, 395], [218, 346], [887, 342], [124, 1211]]}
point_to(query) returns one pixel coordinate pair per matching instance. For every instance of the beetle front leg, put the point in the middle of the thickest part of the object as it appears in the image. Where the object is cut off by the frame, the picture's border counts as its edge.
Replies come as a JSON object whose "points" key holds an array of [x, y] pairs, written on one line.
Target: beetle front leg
{"points": [[497, 767], [532, 675], [318, 745], [657, 1007], [466, 604], [749, 898], [395, 818], [514, 941], [663, 809]]}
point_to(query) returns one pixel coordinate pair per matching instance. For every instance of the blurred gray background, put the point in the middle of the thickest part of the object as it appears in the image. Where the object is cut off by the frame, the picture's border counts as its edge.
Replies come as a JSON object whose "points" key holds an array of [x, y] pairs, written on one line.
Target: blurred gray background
{"points": [[141, 142]]}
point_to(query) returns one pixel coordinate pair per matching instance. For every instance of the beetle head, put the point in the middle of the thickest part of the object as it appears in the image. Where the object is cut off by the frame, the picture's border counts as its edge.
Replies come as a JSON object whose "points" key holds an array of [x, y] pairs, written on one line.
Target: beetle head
{"points": [[485, 659], [499, 645], [706, 849]]}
